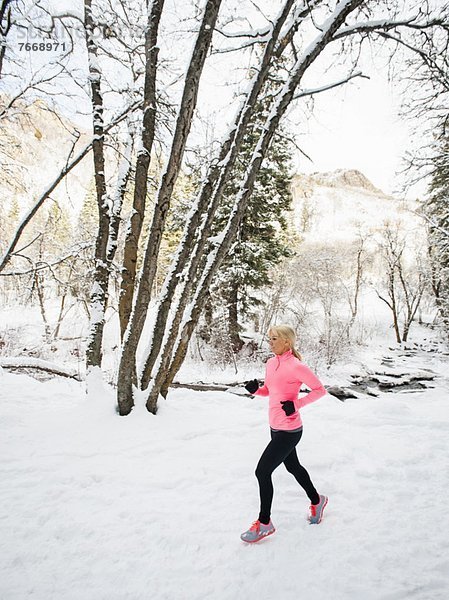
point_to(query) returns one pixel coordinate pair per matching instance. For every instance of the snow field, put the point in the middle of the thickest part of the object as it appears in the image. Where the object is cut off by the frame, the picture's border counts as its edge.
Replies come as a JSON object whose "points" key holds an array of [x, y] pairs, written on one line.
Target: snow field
{"points": [[96, 506]]}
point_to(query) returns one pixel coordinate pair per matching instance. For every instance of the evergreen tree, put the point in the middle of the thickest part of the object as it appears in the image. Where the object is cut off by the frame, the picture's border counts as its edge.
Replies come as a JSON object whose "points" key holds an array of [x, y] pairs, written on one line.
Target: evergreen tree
{"points": [[263, 239], [437, 210]]}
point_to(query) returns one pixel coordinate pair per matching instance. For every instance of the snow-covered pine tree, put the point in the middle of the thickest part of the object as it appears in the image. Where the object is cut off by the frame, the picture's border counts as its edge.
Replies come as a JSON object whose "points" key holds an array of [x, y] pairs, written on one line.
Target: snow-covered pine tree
{"points": [[437, 211], [261, 241]]}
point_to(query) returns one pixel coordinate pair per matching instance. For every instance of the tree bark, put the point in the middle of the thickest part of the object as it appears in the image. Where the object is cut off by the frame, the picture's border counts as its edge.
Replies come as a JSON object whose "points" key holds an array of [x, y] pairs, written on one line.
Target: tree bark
{"points": [[233, 325], [5, 26], [393, 306], [142, 166], [164, 376], [182, 129], [99, 291], [189, 254], [40, 296]]}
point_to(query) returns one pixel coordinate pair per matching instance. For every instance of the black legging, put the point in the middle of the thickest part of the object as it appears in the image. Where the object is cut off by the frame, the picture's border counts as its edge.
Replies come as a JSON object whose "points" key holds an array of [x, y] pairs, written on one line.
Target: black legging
{"points": [[281, 449]]}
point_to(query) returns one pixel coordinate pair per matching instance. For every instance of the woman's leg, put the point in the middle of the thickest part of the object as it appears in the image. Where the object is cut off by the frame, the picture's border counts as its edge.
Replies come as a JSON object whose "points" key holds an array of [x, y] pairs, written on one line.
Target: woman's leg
{"points": [[294, 467], [275, 453]]}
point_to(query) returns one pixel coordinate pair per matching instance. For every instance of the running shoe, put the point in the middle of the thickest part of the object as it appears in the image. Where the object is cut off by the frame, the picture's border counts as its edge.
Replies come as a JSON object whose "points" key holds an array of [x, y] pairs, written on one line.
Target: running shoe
{"points": [[316, 510], [257, 531]]}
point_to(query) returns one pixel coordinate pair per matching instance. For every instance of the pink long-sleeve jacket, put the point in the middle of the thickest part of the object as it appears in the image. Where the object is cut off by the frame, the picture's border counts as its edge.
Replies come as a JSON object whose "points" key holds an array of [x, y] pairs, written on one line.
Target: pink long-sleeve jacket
{"points": [[283, 378]]}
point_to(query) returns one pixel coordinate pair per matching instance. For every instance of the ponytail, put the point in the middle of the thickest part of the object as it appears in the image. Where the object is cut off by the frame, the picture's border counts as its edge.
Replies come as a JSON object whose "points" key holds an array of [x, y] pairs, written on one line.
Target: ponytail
{"points": [[296, 353]]}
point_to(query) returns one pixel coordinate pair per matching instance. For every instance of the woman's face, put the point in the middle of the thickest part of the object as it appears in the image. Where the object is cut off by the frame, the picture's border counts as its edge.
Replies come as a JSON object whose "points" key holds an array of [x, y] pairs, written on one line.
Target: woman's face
{"points": [[277, 344]]}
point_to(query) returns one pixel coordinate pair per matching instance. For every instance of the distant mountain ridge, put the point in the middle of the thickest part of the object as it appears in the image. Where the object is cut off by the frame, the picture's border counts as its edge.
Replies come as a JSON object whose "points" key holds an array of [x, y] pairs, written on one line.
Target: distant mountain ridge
{"points": [[337, 179], [342, 204]]}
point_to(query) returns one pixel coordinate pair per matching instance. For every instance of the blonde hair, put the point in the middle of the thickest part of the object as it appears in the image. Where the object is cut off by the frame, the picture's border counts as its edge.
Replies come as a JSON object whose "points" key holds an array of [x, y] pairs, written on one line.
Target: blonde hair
{"points": [[286, 333]]}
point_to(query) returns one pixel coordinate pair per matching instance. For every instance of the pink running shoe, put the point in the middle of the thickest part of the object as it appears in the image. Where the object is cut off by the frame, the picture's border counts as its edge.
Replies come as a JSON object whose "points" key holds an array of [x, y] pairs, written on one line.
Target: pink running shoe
{"points": [[316, 510], [257, 531]]}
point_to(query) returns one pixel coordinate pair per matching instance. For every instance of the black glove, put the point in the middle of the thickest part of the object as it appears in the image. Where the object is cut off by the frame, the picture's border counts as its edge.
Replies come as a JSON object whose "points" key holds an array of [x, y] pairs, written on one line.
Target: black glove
{"points": [[288, 407], [252, 386]]}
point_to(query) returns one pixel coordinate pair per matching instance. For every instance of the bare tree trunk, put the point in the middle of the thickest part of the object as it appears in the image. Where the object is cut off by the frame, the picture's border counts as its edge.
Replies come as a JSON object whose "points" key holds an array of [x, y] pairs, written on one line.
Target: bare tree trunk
{"points": [[5, 26], [392, 250], [40, 296], [60, 316], [124, 174], [164, 375], [62, 305], [233, 324], [142, 166], [358, 281], [209, 198], [393, 306], [208, 318], [413, 300], [99, 291], [182, 129], [354, 304]]}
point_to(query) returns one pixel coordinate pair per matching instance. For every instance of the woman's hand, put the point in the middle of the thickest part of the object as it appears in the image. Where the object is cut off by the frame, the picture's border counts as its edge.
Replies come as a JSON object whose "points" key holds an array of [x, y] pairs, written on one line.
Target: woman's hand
{"points": [[252, 386], [288, 407]]}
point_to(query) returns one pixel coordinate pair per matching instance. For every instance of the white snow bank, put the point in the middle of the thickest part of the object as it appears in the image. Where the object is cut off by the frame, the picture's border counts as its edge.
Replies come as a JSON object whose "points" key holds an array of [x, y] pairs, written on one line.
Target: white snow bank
{"points": [[95, 506]]}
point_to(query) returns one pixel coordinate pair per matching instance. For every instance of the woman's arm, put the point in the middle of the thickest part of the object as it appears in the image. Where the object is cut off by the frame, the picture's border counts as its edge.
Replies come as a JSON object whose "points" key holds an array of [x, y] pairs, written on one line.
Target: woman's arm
{"points": [[262, 391], [317, 390]]}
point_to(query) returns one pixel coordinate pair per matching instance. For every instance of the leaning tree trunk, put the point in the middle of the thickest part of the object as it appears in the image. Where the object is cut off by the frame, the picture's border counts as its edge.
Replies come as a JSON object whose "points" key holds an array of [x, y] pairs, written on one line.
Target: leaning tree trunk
{"points": [[168, 180], [142, 166], [99, 291], [205, 207], [164, 377], [123, 177]]}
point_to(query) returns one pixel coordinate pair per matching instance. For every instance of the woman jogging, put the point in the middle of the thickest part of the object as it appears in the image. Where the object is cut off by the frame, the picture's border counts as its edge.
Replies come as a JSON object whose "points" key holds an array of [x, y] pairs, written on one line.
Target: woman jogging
{"points": [[283, 378]]}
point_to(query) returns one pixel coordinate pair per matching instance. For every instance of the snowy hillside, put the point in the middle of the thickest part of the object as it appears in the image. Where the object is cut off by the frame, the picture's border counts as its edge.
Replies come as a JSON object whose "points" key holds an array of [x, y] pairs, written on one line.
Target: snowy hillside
{"points": [[337, 206]]}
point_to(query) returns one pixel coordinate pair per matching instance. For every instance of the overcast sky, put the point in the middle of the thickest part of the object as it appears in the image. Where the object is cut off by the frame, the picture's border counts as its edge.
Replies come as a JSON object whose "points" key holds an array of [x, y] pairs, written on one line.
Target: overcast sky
{"points": [[358, 127], [352, 127]]}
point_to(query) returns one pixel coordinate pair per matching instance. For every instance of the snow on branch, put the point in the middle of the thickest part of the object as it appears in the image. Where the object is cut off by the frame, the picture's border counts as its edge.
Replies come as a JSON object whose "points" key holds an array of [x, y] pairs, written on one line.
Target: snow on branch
{"points": [[329, 86], [259, 34], [292, 26], [433, 223], [247, 44], [10, 251], [387, 24]]}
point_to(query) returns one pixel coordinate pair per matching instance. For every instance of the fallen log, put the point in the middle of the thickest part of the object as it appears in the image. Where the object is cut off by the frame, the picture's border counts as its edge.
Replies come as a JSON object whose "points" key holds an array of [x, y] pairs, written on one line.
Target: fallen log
{"points": [[22, 363]]}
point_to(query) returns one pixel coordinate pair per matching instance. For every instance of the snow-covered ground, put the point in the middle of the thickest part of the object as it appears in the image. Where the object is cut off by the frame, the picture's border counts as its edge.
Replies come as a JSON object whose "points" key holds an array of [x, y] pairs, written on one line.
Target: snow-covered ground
{"points": [[95, 506]]}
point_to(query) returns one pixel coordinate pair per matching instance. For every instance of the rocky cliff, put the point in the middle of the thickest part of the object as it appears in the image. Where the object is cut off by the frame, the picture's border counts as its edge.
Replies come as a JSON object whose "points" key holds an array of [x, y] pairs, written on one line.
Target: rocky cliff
{"points": [[340, 178], [344, 204]]}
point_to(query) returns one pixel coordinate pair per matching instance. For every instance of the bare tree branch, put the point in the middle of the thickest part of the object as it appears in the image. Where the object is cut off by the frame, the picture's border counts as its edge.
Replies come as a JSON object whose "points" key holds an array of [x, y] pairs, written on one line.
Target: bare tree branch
{"points": [[330, 86], [64, 172]]}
